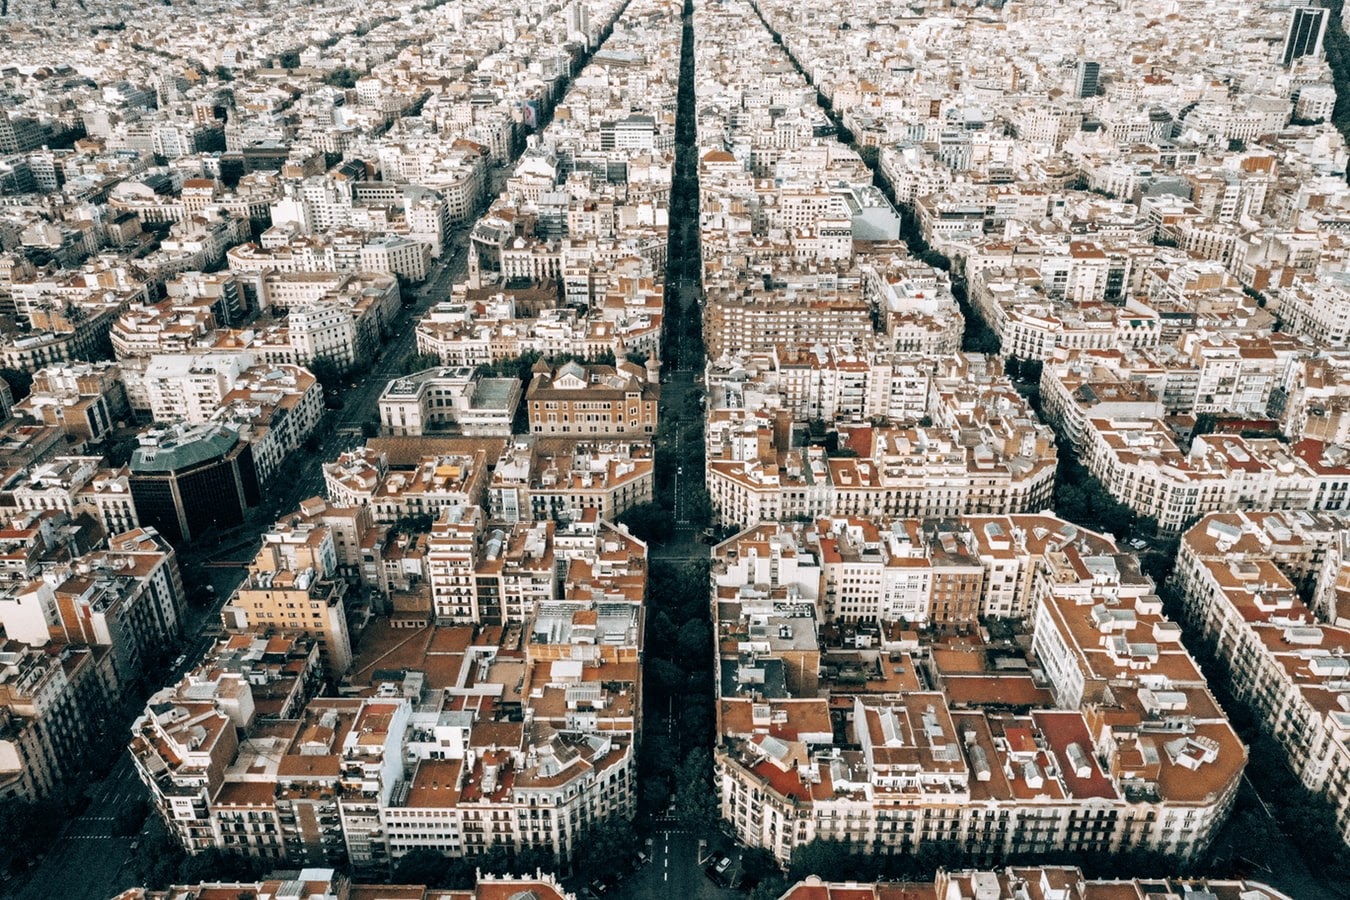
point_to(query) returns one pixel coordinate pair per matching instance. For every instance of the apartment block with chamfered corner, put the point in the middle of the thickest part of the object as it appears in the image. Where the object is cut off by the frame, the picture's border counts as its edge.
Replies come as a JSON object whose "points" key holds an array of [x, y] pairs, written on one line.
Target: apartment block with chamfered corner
{"points": [[1267, 592], [836, 719], [454, 738]]}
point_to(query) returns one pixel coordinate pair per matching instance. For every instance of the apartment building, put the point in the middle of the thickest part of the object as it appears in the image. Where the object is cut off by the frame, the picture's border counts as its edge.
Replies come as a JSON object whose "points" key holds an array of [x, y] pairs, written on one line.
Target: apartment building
{"points": [[70, 484], [187, 744], [1032, 325], [362, 477], [1318, 307], [1142, 466], [1313, 401], [85, 400], [190, 387], [1241, 578], [916, 471], [1049, 882], [949, 573], [493, 576], [293, 586], [169, 326], [1115, 415], [323, 883], [456, 738], [52, 698], [129, 597], [749, 318], [55, 339], [952, 741], [490, 330], [565, 480]]}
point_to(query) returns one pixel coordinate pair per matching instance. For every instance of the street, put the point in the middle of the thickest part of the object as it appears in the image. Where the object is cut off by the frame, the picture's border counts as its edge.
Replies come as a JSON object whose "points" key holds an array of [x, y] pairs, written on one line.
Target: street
{"points": [[679, 405], [361, 402], [674, 871], [88, 861]]}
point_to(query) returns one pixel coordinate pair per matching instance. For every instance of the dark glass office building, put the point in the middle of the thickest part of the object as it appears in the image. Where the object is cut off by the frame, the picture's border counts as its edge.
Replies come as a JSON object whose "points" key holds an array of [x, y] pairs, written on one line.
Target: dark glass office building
{"points": [[1307, 28], [185, 481]]}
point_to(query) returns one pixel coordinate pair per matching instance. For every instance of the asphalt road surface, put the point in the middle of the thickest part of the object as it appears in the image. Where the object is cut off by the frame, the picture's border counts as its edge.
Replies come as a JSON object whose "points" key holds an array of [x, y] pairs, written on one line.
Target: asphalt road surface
{"points": [[88, 861], [674, 871]]}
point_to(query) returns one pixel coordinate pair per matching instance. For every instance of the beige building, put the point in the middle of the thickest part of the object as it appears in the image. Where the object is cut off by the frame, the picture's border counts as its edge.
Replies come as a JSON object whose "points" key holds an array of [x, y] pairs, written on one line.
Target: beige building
{"points": [[86, 400], [743, 317], [918, 471], [292, 585]]}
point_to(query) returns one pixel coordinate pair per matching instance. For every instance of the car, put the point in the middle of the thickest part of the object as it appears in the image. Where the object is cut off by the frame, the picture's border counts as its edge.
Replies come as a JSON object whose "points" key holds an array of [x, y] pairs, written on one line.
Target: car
{"points": [[135, 845], [1138, 543], [598, 887], [179, 660], [722, 864]]}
